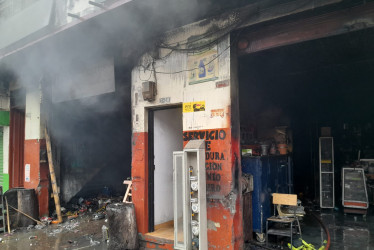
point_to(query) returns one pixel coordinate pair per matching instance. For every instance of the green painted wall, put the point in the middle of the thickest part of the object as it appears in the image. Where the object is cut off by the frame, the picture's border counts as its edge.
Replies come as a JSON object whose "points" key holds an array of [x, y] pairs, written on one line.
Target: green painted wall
{"points": [[5, 182], [4, 118], [4, 178]]}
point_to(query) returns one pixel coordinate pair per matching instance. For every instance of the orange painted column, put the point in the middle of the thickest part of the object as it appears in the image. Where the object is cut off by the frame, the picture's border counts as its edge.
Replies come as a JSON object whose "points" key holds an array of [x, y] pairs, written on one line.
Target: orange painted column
{"points": [[139, 173], [223, 173], [36, 173]]}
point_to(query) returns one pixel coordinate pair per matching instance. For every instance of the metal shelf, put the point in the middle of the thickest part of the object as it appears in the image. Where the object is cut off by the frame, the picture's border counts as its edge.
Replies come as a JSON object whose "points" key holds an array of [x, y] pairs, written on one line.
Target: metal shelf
{"points": [[326, 178]]}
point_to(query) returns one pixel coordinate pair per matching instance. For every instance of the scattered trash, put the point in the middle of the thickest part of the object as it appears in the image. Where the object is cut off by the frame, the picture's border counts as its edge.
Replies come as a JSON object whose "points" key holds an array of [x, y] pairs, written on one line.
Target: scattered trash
{"points": [[55, 231], [104, 230], [70, 217], [40, 226], [30, 227], [33, 237], [46, 220], [80, 201], [94, 242], [98, 216], [83, 210], [73, 242], [71, 225], [1, 240]]}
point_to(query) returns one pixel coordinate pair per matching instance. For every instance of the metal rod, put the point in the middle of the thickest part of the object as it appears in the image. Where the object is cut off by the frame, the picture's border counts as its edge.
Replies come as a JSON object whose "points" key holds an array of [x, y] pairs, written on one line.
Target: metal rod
{"points": [[75, 16], [97, 5], [7, 214], [28, 216]]}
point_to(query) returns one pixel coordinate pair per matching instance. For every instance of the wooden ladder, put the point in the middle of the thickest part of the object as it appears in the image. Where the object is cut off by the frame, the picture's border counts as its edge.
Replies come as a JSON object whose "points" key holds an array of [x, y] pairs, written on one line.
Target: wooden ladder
{"points": [[2, 213], [128, 194]]}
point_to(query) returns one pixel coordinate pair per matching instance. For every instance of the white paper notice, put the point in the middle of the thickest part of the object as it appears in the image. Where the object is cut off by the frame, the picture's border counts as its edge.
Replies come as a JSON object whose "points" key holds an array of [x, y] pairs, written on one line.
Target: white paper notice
{"points": [[27, 173]]}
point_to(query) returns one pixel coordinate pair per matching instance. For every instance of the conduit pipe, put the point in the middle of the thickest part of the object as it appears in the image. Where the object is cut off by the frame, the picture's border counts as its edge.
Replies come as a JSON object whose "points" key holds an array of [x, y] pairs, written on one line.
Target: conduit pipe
{"points": [[325, 229]]}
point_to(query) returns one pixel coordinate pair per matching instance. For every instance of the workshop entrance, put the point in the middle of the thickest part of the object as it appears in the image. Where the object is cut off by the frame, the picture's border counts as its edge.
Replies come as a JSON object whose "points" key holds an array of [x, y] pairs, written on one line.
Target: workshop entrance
{"points": [[307, 119], [165, 137]]}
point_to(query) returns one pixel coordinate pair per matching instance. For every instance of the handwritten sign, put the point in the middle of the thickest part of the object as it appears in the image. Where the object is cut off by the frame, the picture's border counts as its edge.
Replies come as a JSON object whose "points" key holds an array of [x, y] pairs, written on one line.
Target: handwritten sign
{"points": [[217, 113], [217, 155]]}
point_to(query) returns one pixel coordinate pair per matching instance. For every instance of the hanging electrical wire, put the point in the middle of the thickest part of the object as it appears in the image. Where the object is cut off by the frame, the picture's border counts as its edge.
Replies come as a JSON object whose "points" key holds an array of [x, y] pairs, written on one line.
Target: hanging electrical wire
{"points": [[185, 47], [190, 50], [192, 69], [234, 16]]}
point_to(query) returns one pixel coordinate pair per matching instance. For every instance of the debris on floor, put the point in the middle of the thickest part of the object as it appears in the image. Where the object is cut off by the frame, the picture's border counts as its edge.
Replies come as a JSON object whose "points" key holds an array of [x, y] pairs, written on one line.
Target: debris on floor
{"points": [[82, 232], [98, 216], [84, 226]]}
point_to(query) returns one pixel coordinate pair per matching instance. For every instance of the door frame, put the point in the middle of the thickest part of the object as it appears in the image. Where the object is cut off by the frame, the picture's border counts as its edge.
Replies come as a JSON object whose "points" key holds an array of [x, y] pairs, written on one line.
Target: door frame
{"points": [[151, 162]]}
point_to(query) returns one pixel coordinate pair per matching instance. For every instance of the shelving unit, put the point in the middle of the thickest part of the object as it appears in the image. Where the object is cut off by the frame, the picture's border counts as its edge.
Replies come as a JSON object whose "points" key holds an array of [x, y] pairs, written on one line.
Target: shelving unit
{"points": [[354, 190], [326, 170], [190, 210]]}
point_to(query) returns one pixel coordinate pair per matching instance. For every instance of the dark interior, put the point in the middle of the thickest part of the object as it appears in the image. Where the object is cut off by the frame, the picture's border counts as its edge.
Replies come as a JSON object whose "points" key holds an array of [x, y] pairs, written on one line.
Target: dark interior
{"points": [[306, 86], [92, 141]]}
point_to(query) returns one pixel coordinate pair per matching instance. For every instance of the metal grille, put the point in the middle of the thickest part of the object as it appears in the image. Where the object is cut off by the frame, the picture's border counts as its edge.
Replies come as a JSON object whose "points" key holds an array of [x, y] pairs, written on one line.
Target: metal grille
{"points": [[326, 167]]}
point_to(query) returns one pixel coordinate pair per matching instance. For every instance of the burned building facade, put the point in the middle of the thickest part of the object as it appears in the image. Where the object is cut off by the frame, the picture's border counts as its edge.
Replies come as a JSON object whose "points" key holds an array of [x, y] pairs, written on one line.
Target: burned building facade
{"points": [[121, 85]]}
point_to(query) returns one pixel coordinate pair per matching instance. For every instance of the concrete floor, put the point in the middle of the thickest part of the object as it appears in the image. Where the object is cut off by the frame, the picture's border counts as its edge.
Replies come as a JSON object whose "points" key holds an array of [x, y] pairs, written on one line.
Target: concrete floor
{"points": [[80, 233], [347, 232]]}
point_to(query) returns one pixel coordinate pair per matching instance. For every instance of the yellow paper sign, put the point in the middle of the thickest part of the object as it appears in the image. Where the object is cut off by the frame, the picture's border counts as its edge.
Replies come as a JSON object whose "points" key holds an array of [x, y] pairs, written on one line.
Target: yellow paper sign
{"points": [[193, 106]]}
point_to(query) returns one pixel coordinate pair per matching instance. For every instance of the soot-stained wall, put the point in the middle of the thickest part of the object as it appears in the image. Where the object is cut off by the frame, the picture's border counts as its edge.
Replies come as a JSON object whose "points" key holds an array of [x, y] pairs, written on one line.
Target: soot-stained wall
{"points": [[93, 141]]}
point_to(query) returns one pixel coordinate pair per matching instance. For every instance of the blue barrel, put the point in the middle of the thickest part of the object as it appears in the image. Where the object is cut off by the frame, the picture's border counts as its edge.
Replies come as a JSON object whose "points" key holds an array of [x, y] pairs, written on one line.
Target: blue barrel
{"points": [[270, 175]]}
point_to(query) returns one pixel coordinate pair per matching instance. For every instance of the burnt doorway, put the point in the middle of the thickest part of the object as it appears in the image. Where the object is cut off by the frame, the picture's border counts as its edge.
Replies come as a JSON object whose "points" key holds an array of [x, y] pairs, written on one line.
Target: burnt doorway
{"points": [[165, 137]]}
